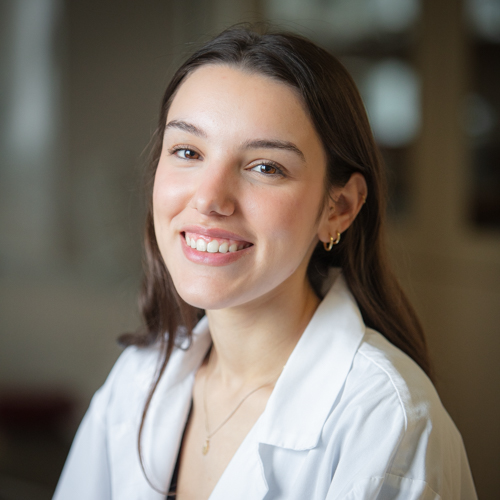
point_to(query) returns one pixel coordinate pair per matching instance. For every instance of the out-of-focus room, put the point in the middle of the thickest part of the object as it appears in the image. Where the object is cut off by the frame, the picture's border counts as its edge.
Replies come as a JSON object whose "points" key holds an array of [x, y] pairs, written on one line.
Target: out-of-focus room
{"points": [[81, 83]]}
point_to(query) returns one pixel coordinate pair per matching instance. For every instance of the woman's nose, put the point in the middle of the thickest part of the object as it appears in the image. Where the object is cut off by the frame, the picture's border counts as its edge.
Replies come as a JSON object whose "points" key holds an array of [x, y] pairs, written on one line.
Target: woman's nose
{"points": [[215, 193]]}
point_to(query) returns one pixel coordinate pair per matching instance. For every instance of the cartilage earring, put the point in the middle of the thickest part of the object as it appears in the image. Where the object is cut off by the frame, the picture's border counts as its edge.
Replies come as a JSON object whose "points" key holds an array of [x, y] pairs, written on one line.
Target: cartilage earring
{"points": [[328, 246]]}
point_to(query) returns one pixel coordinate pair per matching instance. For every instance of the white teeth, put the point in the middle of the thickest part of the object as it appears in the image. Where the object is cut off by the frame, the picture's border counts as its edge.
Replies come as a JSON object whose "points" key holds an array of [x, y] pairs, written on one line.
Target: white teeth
{"points": [[201, 245], [213, 246]]}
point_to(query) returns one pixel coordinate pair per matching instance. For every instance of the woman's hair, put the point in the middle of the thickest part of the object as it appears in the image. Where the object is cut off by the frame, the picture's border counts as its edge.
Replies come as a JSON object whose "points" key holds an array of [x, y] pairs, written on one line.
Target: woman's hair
{"points": [[333, 103]]}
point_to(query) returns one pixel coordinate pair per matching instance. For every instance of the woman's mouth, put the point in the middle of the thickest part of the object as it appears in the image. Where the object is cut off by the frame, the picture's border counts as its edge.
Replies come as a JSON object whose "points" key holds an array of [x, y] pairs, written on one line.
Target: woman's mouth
{"points": [[203, 243]]}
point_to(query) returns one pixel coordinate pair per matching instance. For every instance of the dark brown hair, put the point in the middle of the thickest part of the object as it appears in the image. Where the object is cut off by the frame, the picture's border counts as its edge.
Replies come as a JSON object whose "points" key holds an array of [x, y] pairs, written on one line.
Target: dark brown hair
{"points": [[338, 115]]}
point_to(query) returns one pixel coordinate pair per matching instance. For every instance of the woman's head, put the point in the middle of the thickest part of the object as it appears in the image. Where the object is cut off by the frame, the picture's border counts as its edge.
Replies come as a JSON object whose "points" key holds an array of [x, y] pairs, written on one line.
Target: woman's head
{"points": [[331, 105]]}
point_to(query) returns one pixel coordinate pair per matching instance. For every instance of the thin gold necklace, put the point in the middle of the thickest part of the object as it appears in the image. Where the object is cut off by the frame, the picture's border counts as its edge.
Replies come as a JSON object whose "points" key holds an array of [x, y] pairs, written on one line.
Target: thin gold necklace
{"points": [[209, 434]]}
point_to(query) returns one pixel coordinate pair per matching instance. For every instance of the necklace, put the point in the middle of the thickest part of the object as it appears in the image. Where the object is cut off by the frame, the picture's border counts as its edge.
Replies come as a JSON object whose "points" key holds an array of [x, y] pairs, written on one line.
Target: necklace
{"points": [[209, 434]]}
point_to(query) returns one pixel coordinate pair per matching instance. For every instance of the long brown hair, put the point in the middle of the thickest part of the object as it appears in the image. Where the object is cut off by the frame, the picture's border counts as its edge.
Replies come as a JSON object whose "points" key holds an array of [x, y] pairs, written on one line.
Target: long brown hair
{"points": [[338, 115]]}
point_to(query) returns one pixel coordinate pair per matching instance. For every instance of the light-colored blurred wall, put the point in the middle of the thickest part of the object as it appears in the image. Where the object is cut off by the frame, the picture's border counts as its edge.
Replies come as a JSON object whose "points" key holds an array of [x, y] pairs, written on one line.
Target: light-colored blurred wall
{"points": [[450, 267], [69, 291]]}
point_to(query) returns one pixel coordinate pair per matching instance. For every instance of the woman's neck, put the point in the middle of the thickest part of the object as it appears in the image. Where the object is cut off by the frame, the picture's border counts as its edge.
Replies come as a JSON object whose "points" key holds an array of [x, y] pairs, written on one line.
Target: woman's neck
{"points": [[252, 342]]}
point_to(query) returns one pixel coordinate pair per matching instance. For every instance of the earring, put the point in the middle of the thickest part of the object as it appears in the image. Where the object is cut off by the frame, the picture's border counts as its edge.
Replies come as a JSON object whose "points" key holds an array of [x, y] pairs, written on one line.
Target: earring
{"points": [[328, 246]]}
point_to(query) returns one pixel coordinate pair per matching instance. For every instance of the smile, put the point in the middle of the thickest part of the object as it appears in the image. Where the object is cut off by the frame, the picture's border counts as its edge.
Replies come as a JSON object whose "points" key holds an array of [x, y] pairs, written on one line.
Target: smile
{"points": [[203, 243]]}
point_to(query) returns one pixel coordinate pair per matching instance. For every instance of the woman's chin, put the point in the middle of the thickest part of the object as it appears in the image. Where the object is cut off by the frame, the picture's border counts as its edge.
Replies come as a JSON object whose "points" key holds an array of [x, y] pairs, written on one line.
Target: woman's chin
{"points": [[202, 298]]}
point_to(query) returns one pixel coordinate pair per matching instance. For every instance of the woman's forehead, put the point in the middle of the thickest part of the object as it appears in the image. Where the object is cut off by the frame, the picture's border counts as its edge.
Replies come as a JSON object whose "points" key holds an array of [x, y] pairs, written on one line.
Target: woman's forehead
{"points": [[222, 97]]}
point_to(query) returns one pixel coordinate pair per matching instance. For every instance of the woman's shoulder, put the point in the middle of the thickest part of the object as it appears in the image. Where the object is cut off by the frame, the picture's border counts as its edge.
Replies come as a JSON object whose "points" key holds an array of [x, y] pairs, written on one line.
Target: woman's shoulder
{"points": [[390, 375], [378, 361], [130, 380], [403, 412], [127, 381], [135, 365]]}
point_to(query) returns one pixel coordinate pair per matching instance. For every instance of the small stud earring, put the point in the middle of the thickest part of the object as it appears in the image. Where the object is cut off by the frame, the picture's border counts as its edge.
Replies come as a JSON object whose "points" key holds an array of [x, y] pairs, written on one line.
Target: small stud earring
{"points": [[328, 246]]}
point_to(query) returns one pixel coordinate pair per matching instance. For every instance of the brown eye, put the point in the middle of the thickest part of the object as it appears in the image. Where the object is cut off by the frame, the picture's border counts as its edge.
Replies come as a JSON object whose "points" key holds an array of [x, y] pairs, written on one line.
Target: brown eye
{"points": [[266, 169], [187, 154]]}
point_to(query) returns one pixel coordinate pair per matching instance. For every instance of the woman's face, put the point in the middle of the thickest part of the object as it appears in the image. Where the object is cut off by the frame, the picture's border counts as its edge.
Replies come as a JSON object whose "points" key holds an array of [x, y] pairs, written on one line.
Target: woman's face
{"points": [[241, 178]]}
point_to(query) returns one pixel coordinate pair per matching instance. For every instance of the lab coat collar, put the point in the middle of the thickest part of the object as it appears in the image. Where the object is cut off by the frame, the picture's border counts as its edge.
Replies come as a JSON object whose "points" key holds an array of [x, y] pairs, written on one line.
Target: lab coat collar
{"points": [[295, 413], [314, 374], [297, 409], [168, 412]]}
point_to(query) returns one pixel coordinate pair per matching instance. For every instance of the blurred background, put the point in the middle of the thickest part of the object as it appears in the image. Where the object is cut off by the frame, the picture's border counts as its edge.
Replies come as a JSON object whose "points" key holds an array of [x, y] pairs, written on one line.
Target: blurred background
{"points": [[81, 82]]}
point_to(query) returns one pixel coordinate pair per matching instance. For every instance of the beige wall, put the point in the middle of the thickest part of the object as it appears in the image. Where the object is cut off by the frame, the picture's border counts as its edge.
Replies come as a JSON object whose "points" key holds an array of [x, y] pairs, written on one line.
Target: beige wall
{"points": [[450, 268]]}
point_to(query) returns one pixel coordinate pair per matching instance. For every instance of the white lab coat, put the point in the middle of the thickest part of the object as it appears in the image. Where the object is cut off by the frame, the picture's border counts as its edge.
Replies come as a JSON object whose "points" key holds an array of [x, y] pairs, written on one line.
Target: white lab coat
{"points": [[351, 417]]}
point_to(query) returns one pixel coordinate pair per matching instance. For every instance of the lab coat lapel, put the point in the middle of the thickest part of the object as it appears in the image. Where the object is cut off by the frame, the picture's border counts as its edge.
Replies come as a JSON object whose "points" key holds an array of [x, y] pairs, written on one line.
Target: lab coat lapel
{"points": [[315, 373], [244, 477], [300, 403], [309, 388], [164, 424]]}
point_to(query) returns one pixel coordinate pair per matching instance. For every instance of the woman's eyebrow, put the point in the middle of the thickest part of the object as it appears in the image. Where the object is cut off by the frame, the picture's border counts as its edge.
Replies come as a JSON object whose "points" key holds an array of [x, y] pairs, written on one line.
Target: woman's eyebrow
{"points": [[274, 144], [254, 144], [186, 127]]}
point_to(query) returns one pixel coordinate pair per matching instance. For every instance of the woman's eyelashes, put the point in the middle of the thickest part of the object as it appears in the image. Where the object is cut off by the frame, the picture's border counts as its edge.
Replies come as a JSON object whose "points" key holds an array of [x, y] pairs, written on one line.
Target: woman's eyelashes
{"points": [[269, 169], [185, 153], [266, 168]]}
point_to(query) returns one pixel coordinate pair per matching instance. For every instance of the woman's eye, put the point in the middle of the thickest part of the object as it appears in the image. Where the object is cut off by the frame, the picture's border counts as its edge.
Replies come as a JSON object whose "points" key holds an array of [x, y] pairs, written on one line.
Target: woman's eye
{"points": [[266, 169], [186, 154]]}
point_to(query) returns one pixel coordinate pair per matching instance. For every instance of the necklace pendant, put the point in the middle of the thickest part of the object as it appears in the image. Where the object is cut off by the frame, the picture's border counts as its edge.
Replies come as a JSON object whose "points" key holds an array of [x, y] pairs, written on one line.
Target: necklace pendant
{"points": [[206, 447]]}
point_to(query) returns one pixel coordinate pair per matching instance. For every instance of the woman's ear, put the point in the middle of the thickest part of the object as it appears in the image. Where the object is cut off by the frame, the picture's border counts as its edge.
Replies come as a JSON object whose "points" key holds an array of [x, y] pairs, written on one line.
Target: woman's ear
{"points": [[344, 203]]}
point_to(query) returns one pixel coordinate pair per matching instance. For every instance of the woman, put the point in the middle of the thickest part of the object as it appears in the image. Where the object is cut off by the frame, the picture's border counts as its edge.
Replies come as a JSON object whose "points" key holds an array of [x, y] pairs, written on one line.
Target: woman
{"points": [[308, 376]]}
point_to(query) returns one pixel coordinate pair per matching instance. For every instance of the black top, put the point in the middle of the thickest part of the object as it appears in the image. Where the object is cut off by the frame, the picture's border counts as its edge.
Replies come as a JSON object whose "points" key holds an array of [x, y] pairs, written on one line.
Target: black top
{"points": [[172, 490]]}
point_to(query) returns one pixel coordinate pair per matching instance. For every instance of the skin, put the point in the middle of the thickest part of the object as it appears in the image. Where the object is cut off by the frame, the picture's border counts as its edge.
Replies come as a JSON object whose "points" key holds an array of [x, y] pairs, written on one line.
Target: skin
{"points": [[215, 175]]}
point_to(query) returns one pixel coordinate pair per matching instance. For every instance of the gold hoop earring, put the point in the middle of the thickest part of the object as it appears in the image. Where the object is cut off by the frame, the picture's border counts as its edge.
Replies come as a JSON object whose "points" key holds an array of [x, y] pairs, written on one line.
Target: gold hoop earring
{"points": [[328, 246]]}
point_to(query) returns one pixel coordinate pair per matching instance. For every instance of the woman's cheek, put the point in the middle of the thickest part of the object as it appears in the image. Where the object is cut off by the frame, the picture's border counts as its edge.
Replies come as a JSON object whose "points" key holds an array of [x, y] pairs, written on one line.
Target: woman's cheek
{"points": [[288, 214], [170, 193]]}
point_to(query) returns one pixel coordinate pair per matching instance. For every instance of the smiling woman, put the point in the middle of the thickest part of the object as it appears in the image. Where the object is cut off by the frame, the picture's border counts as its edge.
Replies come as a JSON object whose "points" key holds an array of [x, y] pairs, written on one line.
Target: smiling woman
{"points": [[307, 377]]}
